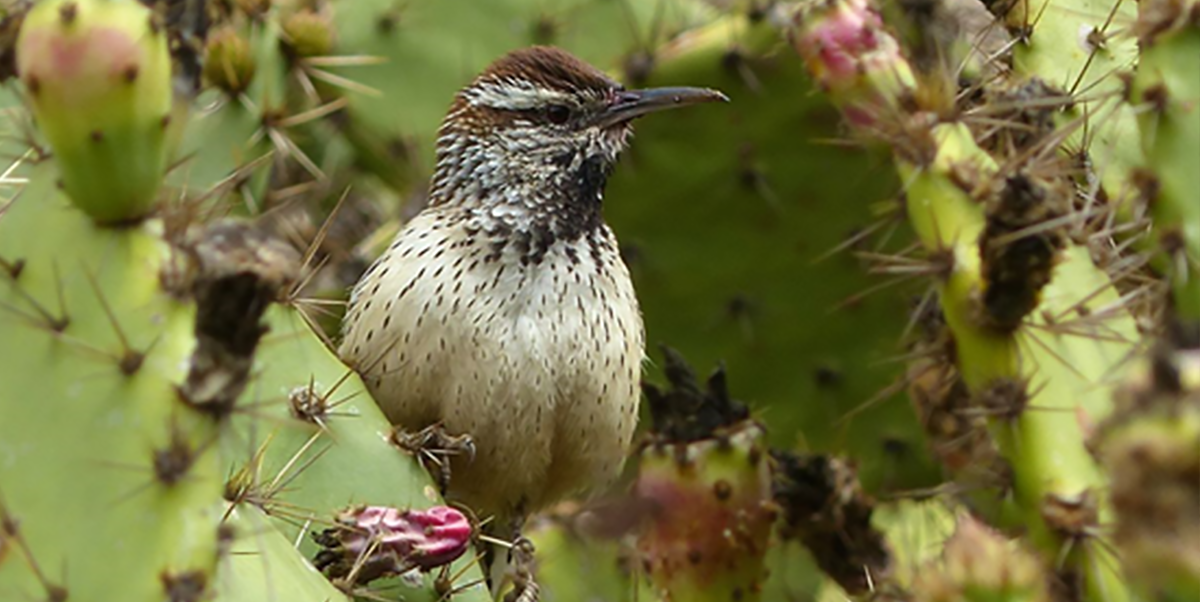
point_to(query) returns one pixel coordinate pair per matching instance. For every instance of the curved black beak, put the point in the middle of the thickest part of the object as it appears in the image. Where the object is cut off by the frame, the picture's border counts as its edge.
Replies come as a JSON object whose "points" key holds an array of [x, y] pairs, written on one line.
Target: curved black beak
{"points": [[630, 104]]}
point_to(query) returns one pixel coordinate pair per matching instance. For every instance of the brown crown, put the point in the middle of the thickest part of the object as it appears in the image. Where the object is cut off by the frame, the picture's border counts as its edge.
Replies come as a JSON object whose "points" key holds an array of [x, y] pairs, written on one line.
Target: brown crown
{"points": [[550, 67]]}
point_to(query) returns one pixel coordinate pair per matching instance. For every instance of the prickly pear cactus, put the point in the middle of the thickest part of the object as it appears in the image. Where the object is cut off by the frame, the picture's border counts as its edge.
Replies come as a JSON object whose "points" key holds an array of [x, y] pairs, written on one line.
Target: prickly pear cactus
{"points": [[174, 394], [1039, 307], [193, 186]]}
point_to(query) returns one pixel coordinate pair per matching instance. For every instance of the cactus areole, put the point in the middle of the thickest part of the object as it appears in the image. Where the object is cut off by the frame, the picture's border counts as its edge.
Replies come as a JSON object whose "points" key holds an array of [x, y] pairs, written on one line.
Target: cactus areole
{"points": [[97, 77]]}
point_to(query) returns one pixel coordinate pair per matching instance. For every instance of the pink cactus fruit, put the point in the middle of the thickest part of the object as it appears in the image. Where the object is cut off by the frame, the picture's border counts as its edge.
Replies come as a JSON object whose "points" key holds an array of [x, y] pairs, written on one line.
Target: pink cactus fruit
{"points": [[380, 541], [97, 76]]}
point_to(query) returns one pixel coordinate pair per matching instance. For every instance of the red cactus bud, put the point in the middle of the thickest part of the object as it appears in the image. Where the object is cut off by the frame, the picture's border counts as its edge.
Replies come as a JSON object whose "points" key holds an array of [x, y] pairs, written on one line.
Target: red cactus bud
{"points": [[379, 541]]}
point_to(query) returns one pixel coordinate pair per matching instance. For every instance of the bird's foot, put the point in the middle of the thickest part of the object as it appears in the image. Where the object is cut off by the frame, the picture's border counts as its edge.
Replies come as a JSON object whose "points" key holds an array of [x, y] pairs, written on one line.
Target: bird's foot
{"points": [[433, 446]]}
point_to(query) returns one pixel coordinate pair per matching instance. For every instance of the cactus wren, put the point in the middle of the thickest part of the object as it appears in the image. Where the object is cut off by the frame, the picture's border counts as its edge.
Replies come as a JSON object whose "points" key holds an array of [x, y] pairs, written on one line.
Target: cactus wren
{"points": [[503, 310]]}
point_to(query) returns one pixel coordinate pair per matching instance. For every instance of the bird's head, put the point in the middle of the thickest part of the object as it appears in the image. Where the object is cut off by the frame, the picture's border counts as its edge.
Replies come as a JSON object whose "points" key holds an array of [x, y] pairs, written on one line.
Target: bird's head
{"points": [[539, 126]]}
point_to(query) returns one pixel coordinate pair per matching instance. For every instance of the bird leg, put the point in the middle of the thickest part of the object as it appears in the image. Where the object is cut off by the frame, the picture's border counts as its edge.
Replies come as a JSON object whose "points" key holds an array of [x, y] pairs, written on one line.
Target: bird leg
{"points": [[520, 573]]}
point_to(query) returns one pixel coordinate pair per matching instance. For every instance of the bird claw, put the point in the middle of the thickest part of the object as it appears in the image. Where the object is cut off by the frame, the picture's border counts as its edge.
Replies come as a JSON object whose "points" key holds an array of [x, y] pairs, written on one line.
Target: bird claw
{"points": [[430, 444]]}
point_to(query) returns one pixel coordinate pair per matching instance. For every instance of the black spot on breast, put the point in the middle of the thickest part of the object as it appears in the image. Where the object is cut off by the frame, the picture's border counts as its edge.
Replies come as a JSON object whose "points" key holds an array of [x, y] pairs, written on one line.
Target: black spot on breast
{"points": [[562, 160], [596, 247], [540, 239], [497, 247], [521, 241]]}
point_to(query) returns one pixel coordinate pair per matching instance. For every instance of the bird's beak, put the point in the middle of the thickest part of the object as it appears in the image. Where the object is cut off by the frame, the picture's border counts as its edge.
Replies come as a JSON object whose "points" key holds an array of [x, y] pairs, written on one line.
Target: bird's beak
{"points": [[635, 103]]}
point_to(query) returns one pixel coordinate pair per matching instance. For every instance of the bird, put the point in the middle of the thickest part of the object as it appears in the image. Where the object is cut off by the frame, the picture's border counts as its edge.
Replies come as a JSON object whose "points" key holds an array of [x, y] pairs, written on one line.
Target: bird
{"points": [[503, 309]]}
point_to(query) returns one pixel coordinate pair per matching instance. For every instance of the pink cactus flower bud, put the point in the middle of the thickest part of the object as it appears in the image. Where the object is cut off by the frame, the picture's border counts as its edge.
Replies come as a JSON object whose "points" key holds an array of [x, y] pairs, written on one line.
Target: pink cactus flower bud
{"points": [[381, 541], [834, 45], [851, 56]]}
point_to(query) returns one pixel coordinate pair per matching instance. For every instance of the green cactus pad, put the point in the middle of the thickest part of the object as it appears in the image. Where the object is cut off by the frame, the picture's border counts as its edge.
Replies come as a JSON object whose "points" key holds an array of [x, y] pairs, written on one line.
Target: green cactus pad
{"points": [[103, 446], [1166, 89], [573, 565], [1042, 385], [113, 482], [226, 136], [260, 563]]}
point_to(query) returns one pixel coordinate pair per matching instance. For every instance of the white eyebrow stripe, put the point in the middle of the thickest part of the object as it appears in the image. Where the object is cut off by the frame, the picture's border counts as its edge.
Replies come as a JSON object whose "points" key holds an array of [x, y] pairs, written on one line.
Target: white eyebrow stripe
{"points": [[513, 95]]}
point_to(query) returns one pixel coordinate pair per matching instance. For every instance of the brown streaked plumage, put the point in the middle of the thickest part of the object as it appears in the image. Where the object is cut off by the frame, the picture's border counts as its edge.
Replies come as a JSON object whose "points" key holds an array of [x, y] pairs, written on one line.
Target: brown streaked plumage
{"points": [[503, 310]]}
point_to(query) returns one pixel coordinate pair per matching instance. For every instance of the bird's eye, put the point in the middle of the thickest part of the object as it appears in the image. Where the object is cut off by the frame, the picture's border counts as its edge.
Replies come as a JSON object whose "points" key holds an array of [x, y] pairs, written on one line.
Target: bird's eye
{"points": [[558, 114]]}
